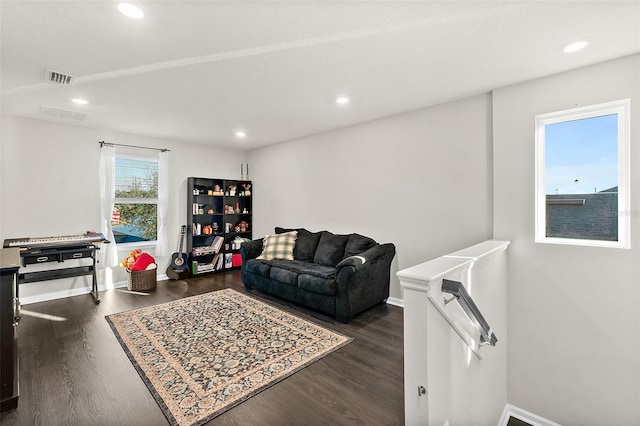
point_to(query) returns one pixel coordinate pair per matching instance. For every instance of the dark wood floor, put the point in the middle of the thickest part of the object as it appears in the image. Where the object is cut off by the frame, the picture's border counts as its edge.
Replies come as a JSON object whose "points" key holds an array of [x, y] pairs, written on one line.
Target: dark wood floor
{"points": [[74, 372]]}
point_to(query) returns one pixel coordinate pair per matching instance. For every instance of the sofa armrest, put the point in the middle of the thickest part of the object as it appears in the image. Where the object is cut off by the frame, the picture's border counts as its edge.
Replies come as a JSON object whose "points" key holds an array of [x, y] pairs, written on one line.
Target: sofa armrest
{"points": [[366, 256], [251, 249], [363, 280]]}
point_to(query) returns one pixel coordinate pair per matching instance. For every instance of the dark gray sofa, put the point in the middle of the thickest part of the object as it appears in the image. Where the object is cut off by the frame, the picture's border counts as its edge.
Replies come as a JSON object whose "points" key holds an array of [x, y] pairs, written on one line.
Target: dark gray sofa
{"points": [[340, 275]]}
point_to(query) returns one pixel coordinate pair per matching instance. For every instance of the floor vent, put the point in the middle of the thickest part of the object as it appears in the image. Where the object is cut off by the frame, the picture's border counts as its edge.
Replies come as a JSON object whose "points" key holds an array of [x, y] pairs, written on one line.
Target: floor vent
{"points": [[56, 77], [69, 114]]}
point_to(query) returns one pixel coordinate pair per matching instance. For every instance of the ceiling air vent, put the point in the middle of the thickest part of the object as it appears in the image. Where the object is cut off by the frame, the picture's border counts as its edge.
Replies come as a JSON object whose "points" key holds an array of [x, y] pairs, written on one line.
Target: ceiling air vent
{"points": [[69, 114], [56, 77]]}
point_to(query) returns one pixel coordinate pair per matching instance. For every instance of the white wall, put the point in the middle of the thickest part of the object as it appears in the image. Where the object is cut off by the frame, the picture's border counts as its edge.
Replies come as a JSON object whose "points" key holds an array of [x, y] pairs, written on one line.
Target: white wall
{"points": [[574, 312], [421, 180], [50, 186]]}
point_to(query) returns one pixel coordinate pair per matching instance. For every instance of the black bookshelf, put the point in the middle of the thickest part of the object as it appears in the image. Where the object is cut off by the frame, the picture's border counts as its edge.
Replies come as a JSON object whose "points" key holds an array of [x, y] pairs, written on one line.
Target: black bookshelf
{"points": [[219, 215]]}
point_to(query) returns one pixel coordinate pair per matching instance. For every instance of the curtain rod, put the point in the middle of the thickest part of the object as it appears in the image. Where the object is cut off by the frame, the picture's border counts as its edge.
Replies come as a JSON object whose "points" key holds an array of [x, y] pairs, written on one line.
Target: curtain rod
{"points": [[103, 143]]}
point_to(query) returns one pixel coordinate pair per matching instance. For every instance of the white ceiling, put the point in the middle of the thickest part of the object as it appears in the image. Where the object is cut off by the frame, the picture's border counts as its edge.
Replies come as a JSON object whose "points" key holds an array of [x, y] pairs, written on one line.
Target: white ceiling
{"points": [[198, 71]]}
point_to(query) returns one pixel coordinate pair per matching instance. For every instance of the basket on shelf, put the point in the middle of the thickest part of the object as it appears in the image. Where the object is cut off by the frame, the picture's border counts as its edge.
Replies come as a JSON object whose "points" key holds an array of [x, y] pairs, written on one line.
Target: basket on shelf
{"points": [[142, 280]]}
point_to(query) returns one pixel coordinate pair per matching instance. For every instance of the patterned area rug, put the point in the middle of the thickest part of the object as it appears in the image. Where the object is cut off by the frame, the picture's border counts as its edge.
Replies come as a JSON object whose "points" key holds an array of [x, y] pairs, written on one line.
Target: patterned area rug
{"points": [[202, 355]]}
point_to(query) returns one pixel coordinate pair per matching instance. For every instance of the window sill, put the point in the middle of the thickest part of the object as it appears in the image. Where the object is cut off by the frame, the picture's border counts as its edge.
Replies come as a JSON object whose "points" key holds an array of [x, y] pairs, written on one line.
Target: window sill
{"points": [[584, 243], [137, 245]]}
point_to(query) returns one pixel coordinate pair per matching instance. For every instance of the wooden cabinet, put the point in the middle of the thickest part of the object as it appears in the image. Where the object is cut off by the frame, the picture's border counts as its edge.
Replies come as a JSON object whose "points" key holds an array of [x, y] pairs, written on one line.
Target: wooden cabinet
{"points": [[9, 265], [219, 220]]}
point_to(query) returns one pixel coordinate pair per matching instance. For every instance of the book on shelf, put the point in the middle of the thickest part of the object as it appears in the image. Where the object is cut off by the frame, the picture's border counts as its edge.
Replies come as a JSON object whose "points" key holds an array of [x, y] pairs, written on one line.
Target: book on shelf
{"points": [[201, 251], [228, 260], [217, 261], [214, 248], [217, 243], [216, 264]]}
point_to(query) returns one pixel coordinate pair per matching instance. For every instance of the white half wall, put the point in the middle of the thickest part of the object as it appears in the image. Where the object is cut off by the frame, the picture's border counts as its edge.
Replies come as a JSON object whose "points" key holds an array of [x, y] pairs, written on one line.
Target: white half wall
{"points": [[50, 186], [574, 312], [421, 180]]}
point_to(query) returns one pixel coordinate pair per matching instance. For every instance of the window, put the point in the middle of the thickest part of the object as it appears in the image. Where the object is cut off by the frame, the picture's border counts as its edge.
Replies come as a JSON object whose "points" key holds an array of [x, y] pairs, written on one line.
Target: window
{"points": [[582, 176], [135, 212]]}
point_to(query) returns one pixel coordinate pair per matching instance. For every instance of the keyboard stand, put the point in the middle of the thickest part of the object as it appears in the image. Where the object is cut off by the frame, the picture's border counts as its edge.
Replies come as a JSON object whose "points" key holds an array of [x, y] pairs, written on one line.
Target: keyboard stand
{"points": [[35, 256]]}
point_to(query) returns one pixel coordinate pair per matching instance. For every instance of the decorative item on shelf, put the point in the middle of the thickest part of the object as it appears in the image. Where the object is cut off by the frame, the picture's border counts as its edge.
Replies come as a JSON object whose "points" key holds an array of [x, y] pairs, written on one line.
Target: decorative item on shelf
{"points": [[207, 230], [246, 187], [242, 227], [215, 227], [210, 192], [210, 211], [227, 227], [237, 242], [245, 211], [237, 209], [232, 190], [243, 175], [216, 189], [200, 209]]}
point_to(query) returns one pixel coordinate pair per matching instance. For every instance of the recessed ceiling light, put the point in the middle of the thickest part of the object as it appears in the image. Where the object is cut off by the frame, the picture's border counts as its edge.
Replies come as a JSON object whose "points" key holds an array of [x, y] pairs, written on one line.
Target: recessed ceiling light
{"points": [[241, 134], [342, 100], [130, 10], [79, 101], [574, 46]]}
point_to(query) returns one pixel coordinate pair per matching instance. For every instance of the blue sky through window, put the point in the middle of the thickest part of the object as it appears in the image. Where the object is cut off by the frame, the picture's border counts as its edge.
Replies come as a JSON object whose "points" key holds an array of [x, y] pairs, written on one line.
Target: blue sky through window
{"points": [[581, 156], [130, 169]]}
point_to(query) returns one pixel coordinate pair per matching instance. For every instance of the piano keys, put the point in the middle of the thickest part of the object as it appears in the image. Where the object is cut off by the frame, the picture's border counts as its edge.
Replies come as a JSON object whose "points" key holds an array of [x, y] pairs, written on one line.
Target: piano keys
{"points": [[55, 241]]}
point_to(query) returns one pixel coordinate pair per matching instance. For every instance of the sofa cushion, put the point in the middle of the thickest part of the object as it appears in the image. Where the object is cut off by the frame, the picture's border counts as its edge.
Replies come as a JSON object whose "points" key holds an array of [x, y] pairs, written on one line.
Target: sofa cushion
{"points": [[317, 285], [357, 244], [306, 243], [285, 276], [257, 267], [280, 230], [330, 249], [279, 246], [320, 271]]}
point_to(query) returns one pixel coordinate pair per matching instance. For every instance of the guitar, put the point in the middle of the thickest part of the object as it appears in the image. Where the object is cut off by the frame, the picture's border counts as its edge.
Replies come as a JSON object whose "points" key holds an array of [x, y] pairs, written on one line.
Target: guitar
{"points": [[178, 269]]}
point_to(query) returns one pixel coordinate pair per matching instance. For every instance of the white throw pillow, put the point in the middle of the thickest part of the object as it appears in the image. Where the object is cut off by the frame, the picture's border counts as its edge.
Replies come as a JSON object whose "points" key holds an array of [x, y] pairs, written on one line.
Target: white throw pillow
{"points": [[279, 246]]}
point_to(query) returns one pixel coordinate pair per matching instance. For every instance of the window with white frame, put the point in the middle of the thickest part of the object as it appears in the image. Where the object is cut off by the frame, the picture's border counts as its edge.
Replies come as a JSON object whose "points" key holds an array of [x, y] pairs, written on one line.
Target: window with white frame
{"points": [[135, 212], [582, 176]]}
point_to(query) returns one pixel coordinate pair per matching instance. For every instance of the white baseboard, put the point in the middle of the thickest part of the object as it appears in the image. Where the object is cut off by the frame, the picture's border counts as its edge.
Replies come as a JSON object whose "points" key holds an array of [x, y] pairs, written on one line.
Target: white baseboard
{"points": [[27, 300], [395, 302], [525, 416]]}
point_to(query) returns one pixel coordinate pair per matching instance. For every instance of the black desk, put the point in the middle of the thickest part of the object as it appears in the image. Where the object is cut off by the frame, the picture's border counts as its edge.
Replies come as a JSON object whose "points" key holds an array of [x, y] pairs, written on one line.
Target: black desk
{"points": [[9, 265], [60, 254]]}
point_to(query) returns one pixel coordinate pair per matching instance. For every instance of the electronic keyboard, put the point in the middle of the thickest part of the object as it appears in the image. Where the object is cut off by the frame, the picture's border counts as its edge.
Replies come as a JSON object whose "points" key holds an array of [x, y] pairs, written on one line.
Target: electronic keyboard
{"points": [[55, 241]]}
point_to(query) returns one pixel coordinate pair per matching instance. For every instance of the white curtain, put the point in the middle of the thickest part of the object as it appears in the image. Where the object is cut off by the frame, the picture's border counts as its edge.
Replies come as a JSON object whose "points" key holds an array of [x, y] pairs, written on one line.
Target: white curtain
{"points": [[162, 243], [107, 201]]}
